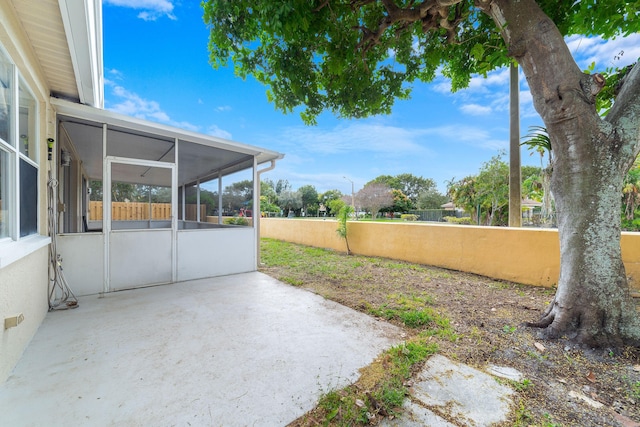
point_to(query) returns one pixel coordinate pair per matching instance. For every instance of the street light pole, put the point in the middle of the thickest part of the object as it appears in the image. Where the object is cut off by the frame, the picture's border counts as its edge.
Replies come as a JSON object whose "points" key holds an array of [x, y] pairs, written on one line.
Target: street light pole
{"points": [[353, 199]]}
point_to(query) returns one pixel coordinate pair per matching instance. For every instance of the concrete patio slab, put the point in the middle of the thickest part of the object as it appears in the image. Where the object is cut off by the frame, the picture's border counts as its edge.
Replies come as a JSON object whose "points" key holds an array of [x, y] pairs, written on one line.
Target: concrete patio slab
{"points": [[240, 350]]}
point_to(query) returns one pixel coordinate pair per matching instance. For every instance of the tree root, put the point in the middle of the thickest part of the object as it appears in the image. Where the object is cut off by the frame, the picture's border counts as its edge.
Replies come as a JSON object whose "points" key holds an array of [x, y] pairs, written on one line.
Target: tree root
{"points": [[546, 319], [585, 328], [542, 323]]}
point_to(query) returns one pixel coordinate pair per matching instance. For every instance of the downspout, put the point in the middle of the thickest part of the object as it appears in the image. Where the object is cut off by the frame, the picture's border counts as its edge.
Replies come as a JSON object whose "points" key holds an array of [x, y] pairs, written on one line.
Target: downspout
{"points": [[256, 218]]}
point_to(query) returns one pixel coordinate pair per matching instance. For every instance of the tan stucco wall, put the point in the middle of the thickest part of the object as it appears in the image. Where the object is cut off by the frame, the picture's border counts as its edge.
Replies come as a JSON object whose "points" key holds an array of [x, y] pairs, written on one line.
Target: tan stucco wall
{"points": [[23, 290], [522, 255]]}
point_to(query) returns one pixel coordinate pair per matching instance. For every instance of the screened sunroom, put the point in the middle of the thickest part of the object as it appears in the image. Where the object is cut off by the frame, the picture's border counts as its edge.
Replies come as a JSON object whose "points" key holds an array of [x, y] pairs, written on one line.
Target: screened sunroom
{"points": [[139, 203]]}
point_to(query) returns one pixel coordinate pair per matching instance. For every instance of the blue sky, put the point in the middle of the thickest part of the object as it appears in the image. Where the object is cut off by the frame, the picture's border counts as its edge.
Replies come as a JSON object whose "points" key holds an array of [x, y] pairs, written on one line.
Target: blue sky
{"points": [[156, 68]]}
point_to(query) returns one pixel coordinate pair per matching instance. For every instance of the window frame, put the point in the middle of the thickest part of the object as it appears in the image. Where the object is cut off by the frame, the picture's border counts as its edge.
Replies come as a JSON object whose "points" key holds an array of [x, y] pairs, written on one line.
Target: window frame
{"points": [[12, 246]]}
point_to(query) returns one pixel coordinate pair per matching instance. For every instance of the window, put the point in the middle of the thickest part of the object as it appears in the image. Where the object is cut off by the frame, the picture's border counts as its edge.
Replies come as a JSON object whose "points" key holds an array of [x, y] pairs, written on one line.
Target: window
{"points": [[5, 200], [27, 123], [6, 98], [19, 155], [28, 199]]}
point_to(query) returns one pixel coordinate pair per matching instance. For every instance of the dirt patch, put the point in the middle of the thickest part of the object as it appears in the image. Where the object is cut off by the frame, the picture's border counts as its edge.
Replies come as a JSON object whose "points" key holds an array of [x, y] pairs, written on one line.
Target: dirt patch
{"points": [[563, 385]]}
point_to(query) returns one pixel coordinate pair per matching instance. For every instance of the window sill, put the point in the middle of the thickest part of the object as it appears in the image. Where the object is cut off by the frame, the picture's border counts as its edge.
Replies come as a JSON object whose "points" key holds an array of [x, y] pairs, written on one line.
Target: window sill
{"points": [[13, 251]]}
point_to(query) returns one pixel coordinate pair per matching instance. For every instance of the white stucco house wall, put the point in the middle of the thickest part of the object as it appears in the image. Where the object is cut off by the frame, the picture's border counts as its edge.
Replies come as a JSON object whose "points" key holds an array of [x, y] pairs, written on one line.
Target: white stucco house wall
{"points": [[56, 138]]}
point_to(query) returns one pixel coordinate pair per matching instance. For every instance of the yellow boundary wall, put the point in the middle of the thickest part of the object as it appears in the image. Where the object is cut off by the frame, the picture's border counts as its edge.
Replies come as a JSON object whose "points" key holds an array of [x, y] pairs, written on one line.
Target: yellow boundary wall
{"points": [[522, 255]]}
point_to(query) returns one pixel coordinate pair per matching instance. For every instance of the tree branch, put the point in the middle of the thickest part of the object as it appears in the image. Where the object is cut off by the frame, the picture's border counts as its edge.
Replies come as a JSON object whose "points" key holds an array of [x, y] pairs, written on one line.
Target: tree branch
{"points": [[626, 109], [539, 47], [591, 85], [431, 13], [625, 113]]}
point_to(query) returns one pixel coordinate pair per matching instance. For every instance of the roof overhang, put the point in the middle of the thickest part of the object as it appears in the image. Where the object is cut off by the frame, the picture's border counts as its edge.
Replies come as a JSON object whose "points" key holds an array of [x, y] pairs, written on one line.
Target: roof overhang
{"points": [[83, 27], [66, 38]]}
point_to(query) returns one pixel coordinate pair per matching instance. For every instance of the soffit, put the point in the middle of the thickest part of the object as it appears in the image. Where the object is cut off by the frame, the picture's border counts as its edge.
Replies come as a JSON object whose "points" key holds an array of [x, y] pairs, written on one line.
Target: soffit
{"points": [[44, 26]]}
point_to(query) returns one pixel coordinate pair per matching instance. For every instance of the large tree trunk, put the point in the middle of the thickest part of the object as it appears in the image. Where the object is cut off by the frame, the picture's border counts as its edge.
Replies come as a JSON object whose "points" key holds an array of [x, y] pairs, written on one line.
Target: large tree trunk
{"points": [[592, 303]]}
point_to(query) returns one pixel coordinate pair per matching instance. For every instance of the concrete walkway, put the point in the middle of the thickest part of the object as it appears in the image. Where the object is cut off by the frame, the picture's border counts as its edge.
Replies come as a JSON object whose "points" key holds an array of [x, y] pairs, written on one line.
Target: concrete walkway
{"points": [[448, 390], [242, 350]]}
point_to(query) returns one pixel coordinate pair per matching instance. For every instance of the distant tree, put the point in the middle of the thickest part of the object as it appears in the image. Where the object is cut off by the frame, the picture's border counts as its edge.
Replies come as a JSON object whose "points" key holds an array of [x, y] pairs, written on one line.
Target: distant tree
{"points": [[373, 197], [401, 203], [488, 190], [207, 198], [492, 187], [96, 190], [464, 194], [282, 185], [122, 191], [267, 190], [431, 199], [334, 205], [326, 199], [266, 206], [210, 199], [631, 198], [237, 196], [528, 171], [290, 201], [410, 185], [309, 196]]}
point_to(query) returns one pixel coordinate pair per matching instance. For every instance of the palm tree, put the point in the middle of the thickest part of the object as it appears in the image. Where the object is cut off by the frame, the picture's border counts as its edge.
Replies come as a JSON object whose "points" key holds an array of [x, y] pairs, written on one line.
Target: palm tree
{"points": [[538, 140], [343, 216]]}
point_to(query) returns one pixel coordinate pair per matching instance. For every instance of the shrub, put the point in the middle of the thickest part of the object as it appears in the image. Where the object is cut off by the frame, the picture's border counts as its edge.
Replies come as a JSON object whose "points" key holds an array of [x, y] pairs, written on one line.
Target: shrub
{"points": [[630, 225], [453, 220], [236, 220], [409, 217]]}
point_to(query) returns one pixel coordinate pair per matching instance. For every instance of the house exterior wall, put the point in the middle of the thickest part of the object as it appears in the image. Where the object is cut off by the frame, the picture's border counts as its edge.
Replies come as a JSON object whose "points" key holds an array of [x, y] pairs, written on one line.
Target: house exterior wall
{"points": [[23, 263], [23, 290], [523, 255]]}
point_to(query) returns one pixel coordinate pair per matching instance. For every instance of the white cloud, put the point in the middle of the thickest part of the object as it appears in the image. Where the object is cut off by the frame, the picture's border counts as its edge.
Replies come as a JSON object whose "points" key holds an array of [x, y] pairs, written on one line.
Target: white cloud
{"points": [[222, 108], [605, 53], [471, 135], [131, 104], [498, 78], [477, 84], [214, 130], [373, 140], [115, 74], [150, 9], [356, 137], [476, 109]]}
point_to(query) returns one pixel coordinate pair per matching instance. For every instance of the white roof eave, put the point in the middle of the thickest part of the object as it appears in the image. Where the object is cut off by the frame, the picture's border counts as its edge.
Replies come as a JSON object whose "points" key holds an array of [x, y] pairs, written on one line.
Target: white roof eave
{"points": [[82, 20]]}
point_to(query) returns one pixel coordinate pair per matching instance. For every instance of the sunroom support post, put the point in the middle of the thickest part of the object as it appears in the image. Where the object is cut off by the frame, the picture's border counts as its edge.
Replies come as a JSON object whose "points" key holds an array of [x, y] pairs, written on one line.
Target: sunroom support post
{"points": [[257, 218], [174, 213], [183, 208], [198, 219], [255, 211], [106, 209], [219, 197]]}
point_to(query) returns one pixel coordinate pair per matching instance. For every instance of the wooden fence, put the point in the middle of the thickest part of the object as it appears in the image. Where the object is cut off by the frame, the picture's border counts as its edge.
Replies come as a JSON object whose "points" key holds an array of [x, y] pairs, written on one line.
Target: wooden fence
{"points": [[135, 211]]}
